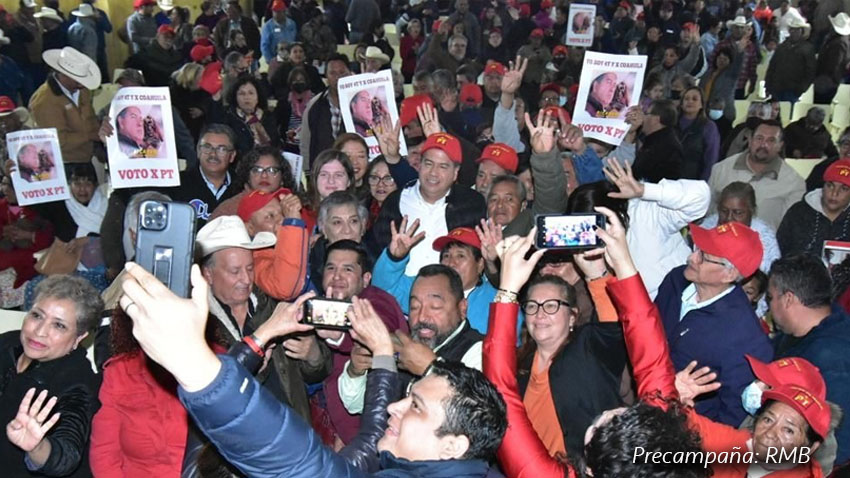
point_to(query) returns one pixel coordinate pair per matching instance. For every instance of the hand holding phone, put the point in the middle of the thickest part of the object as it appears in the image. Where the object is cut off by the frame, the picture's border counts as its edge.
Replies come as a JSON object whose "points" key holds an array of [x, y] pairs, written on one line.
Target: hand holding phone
{"points": [[165, 242], [568, 231], [324, 313]]}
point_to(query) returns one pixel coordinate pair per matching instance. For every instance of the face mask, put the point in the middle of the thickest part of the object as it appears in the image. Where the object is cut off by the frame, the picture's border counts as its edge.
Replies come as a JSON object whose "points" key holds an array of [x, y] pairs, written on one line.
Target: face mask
{"points": [[562, 100], [299, 87], [675, 95], [751, 398], [715, 114]]}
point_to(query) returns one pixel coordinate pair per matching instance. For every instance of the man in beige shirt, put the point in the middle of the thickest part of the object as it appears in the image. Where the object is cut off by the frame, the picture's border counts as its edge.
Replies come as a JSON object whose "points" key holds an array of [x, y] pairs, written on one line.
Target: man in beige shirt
{"points": [[776, 184]]}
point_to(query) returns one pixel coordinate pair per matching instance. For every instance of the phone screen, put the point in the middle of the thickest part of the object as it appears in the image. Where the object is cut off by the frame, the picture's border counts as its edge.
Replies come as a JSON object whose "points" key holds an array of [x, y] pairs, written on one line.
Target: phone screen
{"points": [[573, 231], [327, 313]]}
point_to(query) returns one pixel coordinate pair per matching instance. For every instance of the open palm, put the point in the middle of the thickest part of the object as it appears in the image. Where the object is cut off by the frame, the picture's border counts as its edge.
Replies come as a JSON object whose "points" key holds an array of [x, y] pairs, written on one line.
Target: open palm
{"points": [[27, 429]]}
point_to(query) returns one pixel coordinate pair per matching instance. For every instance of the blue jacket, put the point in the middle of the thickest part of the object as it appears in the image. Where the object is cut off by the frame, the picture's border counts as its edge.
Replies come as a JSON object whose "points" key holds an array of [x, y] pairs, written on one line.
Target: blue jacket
{"points": [[266, 439], [588, 167], [826, 346], [389, 276], [273, 33], [718, 336]]}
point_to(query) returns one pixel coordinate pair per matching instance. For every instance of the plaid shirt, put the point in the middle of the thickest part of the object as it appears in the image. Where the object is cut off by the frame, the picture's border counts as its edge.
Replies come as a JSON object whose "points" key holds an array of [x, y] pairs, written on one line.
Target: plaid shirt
{"points": [[750, 61], [336, 117]]}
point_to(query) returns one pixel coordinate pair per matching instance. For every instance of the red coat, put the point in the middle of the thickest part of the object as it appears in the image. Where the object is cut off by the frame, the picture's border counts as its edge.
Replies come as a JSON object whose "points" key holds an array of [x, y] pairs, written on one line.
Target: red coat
{"points": [[140, 429], [408, 48], [21, 259]]}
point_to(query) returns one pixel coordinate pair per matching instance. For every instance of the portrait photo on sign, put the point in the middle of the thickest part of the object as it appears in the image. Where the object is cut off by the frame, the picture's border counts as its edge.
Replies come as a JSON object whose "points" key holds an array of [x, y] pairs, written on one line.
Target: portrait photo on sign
{"points": [[610, 93], [36, 162], [368, 107], [140, 131], [581, 23]]}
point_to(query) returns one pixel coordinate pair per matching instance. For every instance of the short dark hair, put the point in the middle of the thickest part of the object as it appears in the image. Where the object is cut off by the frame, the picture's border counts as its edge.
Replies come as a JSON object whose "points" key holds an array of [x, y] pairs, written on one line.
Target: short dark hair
{"points": [[588, 196], [363, 259], [805, 276], [243, 167], [611, 451], [773, 123], [475, 409], [740, 190], [476, 253], [568, 292], [666, 112], [470, 72], [262, 99], [433, 270], [342, 57]]}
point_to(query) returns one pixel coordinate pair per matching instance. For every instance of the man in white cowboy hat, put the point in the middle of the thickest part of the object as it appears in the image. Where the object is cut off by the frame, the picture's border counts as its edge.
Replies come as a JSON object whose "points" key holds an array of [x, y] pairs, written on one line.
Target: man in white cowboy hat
{"points": [[64, 102], [784, 15], [375, 59], [53, 35], [238, 309], [833, 58], [820, 18], [82, 34], [740, 30], [792, 68], [102, 26], [163, 17]]}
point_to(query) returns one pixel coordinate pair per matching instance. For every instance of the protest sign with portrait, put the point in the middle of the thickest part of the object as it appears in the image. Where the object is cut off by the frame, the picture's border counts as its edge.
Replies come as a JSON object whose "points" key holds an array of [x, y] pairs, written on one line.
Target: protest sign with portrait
{"points": [[364, 101], [580, 25], [39, 174], [143, 151], [609, 85]]}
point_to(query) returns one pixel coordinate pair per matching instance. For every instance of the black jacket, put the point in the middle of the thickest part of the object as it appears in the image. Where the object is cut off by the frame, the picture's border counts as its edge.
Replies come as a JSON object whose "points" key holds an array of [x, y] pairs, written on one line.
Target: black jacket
{"points": [[193, 190], [317, 119], [660, 157], [464, 207], [71, 379], [244, 137], [803, 229]]}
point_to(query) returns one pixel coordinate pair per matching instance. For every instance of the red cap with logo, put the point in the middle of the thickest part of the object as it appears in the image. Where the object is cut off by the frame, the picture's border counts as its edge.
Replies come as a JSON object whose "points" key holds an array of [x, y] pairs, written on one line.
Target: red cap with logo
{"points": [[257, 200], [494, 68], [501, 154], [537, 32], [560, 50], [732, 241], [465, 235], [165, 29], [6, 104], [445, 143], [199, 52], [838, 171], [471, 95], [409, 105], [278, 5]]}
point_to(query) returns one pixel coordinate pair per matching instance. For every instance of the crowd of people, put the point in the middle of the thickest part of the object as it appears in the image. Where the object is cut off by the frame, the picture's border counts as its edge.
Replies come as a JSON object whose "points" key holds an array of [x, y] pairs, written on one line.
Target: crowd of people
{"points": [[705, 336]]}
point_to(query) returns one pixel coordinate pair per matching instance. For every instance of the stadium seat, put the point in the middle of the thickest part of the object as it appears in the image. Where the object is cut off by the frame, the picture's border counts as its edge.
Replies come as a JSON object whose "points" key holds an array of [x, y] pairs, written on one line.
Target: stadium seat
{"points": [[842, 96], [803, 167], [785, 112], [808, 96]]}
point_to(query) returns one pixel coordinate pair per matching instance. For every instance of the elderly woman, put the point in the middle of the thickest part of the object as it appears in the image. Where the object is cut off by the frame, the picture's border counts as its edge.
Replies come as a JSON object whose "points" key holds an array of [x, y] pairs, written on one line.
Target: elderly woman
{"points": [[331, 171], [44, 360], [248, 114], [341, 216], [262, 169]]}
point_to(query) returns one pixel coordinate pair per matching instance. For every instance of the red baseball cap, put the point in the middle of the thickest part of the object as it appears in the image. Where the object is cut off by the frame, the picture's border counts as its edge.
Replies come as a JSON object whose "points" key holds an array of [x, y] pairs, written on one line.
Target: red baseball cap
{"points": [[471, 95], [550, 87], [501, 154], [560, 113], [278, 5], [838, 171], [689, 26], [495, 30], [811, 406], [7, 105], [546, 4], [142, 3], [494, 68], [465, 235], [445, 143], [562, 49], [199, 52], [211, 78], [537, 32], [409, 105], [732, 241], [525, 11], [255, 201], [625, 5], [165, 29]]}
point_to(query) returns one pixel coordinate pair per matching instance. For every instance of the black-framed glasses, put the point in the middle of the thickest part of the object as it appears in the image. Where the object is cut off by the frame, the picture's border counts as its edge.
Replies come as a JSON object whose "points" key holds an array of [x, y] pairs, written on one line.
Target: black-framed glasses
{"points": [[220, 150], [385, 180], [702, 258], [271, 170], [551, 306]]}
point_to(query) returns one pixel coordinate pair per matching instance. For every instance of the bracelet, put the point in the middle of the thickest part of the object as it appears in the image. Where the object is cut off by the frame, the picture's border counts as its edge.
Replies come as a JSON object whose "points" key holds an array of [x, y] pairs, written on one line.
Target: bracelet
{"points": [[506, 297], [598, 277], [250, 342]]}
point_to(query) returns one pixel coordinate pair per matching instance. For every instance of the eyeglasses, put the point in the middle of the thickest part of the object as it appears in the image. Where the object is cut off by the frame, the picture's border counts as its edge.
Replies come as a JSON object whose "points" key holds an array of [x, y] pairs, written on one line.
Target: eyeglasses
{"points": [[220, 150], [702, 258], [551, 306], [271, 170], [385, 180]]}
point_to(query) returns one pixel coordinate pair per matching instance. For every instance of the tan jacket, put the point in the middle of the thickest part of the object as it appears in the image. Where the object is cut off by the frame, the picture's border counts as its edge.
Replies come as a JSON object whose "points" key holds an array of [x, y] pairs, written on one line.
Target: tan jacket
{"points": [[77, 125]]}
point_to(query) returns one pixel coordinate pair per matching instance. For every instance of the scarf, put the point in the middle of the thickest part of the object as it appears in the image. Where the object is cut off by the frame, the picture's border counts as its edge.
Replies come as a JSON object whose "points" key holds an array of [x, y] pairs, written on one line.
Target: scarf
{"points": [[250, 119], [88, 217], [299, 102]]}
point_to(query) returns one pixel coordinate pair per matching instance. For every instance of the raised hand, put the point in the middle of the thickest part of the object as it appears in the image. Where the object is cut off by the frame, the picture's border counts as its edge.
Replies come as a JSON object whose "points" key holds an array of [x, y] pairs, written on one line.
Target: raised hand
{"points": [[404, 238], [513, 77], [623, 178], [616, 248], [489, 233], [692, 383], [412, 356], [572, 138], [543, 134], [290, 206], [368, 328], [387, 136], [634, 117], [516, 269], [27, 429], [428, 118], [106, 129]]}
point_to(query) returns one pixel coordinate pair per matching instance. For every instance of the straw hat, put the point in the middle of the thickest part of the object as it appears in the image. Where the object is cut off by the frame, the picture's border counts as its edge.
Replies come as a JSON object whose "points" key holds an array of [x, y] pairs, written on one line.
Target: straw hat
{"points": [[75, 65], [165, 5]]}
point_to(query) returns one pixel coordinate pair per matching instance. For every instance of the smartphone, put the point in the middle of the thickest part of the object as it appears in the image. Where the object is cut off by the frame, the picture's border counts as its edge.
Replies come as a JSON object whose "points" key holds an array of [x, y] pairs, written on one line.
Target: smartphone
{"points": [[325, 313], [568, 231], [165, 243]]}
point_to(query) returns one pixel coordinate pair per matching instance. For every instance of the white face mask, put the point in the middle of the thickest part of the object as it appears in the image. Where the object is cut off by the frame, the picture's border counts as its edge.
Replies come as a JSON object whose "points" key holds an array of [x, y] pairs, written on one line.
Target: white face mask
{"points": [[751, 398], [715, 114]]}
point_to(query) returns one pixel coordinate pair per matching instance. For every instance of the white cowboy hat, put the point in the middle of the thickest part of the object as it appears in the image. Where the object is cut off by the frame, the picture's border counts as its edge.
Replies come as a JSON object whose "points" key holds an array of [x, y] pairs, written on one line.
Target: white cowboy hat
{"points": [[4, 40], [165, 4], [375, 53], [225, 232], [29, 3], [75, 65], [739, 21], [841, 23], [48, 13], [797, 22], [84, 11]]}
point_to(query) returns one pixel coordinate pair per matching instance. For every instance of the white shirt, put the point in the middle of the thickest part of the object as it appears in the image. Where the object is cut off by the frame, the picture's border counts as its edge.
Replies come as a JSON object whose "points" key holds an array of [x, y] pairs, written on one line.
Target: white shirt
{"points": [[217, 191], [432, 220], [74, 97], [690, 300]]}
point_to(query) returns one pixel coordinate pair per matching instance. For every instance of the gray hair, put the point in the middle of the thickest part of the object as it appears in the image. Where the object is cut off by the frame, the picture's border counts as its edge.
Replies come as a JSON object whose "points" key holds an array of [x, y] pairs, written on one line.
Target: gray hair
{"points": [[131, 218], [87, 302], [337, 199], [218, 128], [232, 59], [457, 36], [513, 179]]}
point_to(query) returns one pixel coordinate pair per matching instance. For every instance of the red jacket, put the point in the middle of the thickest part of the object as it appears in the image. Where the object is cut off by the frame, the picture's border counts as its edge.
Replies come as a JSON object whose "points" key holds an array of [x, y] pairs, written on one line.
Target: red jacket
{"points": [[21, 259], [140, 429]]}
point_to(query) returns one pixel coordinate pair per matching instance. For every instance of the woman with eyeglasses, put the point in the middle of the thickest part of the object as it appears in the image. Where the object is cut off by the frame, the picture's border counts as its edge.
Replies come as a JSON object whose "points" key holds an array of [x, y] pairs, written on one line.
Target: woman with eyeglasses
{"points": [[262, 169], [381, 184]]}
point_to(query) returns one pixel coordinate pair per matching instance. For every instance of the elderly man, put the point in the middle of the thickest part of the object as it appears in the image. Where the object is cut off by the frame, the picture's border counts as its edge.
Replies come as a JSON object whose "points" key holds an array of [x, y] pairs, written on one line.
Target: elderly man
{"points": [[141, 25], [238, 309], [434, 199], [799, 294], [471, 27], [821, 215], [708, 317], [64, 102], [777, 185], [808, 137], [159, 59], [661, 156]]}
